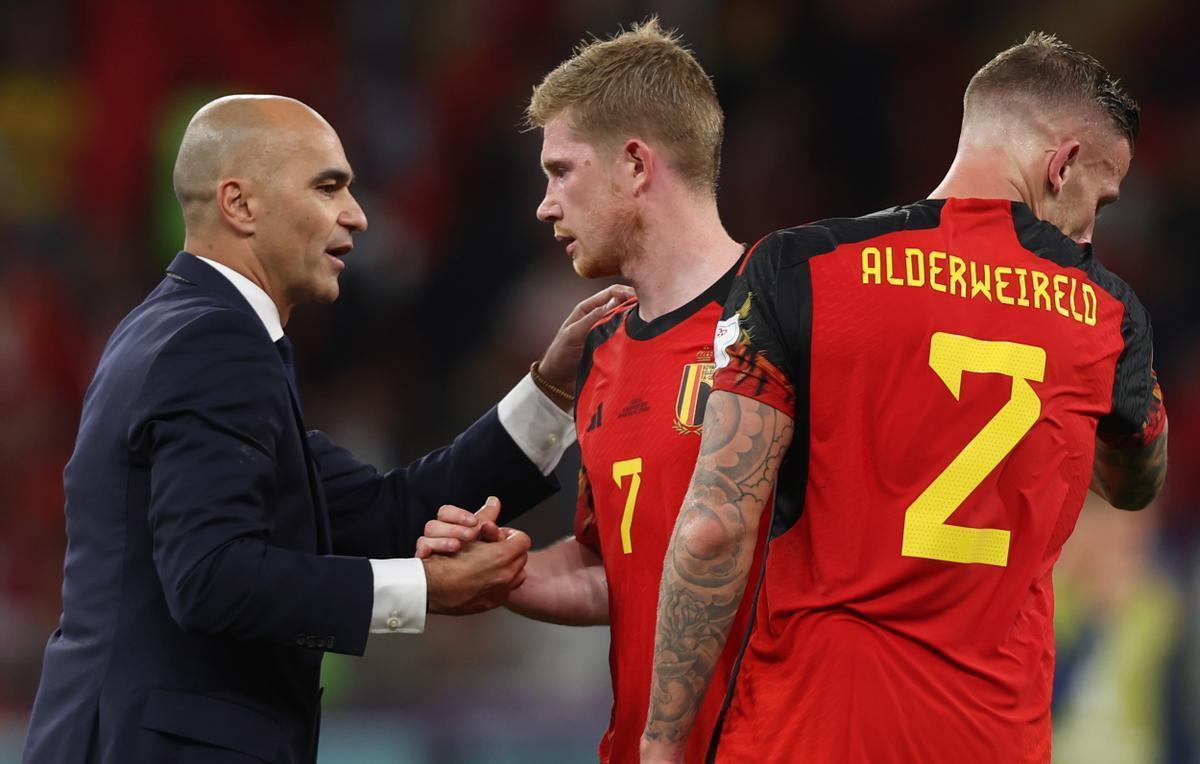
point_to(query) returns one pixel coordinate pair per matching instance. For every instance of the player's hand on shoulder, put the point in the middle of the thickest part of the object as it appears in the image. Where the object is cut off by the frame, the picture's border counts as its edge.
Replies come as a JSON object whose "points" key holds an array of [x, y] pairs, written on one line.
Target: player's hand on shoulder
{"points": [[561, 361]]}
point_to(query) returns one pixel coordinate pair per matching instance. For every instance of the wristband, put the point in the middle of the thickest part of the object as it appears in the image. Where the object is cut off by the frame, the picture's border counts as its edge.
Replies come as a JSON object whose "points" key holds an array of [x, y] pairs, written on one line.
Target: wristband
{"points": [[549, 388]]}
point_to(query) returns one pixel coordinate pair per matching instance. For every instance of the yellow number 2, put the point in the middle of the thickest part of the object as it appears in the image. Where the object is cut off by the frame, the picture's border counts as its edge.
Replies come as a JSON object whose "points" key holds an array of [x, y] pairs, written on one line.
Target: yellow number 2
{"points": [[926, 532], [623, 469]]}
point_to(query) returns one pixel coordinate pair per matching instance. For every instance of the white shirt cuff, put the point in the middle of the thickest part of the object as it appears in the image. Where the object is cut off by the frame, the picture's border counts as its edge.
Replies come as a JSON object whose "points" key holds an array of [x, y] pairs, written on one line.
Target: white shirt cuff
{"points": [[536, 424], [399, 596]]}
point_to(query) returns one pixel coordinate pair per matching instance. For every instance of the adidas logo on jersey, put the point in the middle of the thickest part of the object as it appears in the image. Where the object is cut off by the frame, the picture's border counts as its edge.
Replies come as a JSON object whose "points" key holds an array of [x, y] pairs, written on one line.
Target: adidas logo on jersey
{"points": [[597, 417]]}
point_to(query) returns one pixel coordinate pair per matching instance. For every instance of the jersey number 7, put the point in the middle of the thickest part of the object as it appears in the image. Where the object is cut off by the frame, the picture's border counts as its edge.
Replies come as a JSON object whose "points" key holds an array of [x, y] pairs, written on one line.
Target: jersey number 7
{"points": [[623, 469], [926, 532]]}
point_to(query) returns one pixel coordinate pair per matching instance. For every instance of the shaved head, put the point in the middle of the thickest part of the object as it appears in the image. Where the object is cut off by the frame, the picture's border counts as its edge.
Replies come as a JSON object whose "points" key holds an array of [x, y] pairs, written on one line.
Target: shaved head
{"points": [[247, 136], [264, 184]]}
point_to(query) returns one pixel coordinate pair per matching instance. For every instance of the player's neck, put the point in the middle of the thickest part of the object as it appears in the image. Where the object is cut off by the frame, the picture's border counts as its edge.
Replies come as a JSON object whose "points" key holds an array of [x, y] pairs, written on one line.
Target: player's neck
{"points": [[982, 175], [686, 253]]}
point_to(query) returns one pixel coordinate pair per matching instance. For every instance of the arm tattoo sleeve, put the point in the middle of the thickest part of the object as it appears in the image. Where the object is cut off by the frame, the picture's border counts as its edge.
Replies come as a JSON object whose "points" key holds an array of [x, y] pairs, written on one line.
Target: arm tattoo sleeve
{"points": [[708, 561], [1130, 478], [1131, 467]]}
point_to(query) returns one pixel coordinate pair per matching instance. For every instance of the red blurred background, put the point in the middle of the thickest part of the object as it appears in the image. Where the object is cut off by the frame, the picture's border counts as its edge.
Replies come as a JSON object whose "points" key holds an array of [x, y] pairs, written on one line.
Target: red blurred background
{"points": [[832, 108]]}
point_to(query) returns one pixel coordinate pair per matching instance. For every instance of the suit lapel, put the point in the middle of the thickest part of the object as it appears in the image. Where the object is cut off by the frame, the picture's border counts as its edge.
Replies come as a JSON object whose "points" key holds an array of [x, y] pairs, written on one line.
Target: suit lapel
{"points": [[189, 268], [324, 545]]}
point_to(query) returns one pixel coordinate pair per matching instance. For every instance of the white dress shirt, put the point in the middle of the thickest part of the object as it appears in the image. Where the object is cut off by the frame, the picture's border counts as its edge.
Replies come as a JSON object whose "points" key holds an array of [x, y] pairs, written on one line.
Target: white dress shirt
{"points": [[539, 427]]}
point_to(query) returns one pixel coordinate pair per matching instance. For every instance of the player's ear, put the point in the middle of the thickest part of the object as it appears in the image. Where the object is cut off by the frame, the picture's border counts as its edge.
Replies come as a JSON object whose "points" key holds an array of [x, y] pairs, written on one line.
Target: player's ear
{"points": [[1060, 164], [639, 162], [235, 206]]}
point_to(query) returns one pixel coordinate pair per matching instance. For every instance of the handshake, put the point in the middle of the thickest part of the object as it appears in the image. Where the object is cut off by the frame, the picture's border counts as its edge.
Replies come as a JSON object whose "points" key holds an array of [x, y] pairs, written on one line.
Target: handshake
{"points": [[471, 564]]}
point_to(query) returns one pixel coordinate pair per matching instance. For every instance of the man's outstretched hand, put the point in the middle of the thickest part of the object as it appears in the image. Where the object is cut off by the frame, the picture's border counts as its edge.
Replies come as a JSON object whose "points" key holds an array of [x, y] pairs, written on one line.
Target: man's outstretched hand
{"points": [[477, 563], [456, 526]]}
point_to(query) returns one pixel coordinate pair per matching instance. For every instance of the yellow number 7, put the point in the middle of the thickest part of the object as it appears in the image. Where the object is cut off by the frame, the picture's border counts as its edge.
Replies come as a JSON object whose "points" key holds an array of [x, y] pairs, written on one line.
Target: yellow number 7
{"points": [[926, 532], [624, 469]]}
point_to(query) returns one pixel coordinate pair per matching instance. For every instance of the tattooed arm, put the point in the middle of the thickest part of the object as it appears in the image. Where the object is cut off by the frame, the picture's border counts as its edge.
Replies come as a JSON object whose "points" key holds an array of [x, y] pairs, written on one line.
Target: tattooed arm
{"points": [[1130, 468], [1130, 478], [708, 561]]}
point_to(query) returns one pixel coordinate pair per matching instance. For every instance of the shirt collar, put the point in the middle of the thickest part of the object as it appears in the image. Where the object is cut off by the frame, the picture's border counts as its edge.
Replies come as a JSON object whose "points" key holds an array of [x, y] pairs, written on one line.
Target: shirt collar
{"points": [[259, 300]]}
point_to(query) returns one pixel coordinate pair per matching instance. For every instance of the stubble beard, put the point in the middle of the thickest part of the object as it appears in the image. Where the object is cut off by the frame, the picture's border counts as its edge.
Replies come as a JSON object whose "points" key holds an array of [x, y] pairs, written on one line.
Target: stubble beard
{"points": [[1063, 216], [620, 242]]}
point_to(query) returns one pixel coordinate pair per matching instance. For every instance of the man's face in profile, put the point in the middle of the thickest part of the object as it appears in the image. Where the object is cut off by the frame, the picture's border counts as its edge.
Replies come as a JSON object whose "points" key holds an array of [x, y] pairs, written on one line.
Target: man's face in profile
{"points": [[598, 226], [308, 217]]}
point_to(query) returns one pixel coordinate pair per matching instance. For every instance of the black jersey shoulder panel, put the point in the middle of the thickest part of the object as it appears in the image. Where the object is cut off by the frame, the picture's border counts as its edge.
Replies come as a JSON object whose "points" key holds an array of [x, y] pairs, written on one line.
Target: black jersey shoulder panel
{"points": [[1133, 383], [798, 244], [1044, 239], [1133, 386], [602, 332]]}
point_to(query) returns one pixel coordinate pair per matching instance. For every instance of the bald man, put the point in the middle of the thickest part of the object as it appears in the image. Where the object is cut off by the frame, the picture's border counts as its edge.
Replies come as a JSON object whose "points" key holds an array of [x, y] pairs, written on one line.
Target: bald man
{"points": [[216, 548], [927, 394]]}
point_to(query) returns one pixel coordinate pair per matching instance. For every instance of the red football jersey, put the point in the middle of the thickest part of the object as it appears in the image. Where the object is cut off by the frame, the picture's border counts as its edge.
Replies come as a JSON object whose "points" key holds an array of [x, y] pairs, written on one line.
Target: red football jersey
{"points": [[642, 391], [947, 364]]}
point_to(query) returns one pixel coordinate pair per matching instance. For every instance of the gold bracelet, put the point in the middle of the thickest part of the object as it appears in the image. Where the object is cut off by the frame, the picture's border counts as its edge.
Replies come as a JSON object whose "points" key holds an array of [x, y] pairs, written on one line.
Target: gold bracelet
{"points": [[548, 387]]}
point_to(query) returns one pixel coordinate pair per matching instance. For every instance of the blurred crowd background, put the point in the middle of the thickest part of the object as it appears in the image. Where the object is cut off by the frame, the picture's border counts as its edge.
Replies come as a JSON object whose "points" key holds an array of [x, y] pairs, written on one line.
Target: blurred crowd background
{"points": [[832, 108]]}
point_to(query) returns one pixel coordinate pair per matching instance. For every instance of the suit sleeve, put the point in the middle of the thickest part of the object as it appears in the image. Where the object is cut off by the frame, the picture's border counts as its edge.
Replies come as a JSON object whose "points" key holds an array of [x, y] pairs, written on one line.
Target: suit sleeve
{"points": [[374, 514], [212, 416]]}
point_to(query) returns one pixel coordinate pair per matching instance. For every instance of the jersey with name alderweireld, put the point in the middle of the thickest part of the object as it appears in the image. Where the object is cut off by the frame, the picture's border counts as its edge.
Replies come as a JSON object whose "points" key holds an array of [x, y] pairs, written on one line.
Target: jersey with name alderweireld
{"points": [[948, 365]]}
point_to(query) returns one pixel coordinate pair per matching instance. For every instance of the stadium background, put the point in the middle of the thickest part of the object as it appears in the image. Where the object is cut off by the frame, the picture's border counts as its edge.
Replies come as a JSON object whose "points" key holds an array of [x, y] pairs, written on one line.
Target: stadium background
{"points": [[833, 108]]}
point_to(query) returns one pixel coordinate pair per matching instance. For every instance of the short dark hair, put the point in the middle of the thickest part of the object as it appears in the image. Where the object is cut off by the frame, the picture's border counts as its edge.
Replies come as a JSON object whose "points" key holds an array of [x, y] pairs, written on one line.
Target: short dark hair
{"points": [[1052, 72]]}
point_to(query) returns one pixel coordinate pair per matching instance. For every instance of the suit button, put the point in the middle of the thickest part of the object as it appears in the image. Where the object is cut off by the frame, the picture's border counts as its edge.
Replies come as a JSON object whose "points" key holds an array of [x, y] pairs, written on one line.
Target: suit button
{"points": [[310, 642], [393, 623], [300, 640]]}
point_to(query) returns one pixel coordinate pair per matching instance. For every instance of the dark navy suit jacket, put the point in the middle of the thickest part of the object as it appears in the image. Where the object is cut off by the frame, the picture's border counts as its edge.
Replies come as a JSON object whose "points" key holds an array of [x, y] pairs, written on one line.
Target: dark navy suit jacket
{"points": [[215, 550]]}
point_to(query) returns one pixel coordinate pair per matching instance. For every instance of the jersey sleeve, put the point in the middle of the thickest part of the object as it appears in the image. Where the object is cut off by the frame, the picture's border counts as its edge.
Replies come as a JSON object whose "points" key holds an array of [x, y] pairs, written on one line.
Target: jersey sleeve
{"points": [[765, 322], [586, 532], [1138, 416]]}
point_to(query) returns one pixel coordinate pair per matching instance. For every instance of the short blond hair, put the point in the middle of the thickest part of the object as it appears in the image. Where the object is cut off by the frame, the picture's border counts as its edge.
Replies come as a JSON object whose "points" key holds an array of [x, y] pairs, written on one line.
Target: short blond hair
{"points": [[642, 82]]}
